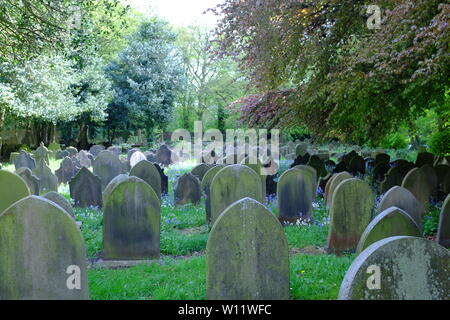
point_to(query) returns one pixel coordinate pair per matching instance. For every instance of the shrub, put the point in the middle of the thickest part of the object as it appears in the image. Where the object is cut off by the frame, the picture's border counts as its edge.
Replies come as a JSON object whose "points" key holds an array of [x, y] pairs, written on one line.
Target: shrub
{"points": [[439, 142]]}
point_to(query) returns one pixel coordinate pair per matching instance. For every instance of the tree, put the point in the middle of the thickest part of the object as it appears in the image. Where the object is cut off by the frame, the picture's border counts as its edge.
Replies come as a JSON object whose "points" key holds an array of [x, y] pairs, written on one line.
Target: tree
{"points": [[146, 78]]}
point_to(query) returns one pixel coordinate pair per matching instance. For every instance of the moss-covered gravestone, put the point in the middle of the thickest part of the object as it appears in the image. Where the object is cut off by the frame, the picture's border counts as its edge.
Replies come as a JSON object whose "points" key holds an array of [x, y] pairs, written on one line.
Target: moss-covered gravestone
{"points": [[147, 172], [131, 222], [113, 183], [60, 201], [137, 157], [200, 170], [403, 199], [350, 214], [399, 268], [187, 190], [338, 178], [231, 184], [416, 182], [164, 179], [107, 166], [206, 188], [443, 235], [247, 255], [313, 174], [45, 250], [257, 168], [47, 180], [389, 223], [295, 195], [424, 158], [24, 160], [31, 180], [12, 189], [86, 189]]}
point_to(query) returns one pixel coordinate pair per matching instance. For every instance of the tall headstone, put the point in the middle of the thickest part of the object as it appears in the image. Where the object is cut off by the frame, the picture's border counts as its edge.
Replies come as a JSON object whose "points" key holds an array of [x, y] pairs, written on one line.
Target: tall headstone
{"points": [[86, 189], [24, 160], [165, 156], [12, 189], [131, 227], [187, 190], [112, 184], [247, 255], [357, 165], [231, 184], [147, 172], [41, 155], [85, 158], [107, 166], [47, 180], [350, 214], [443, 235], [432, 178], [46, 253], [399, 268], [416, 182], [31, 180]]}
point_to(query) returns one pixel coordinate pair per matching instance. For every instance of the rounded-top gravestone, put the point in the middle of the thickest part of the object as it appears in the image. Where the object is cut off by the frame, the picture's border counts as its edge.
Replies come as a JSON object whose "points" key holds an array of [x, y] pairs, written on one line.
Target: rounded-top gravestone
{"points": [[247, 255], [96, 149], [206, 188], [334, 182], [113, 183], [12, 189], [60, 201], [443, 235], [200, 170], [147, 172], [86, 189], [416, 182], [137, 157], [187, 190], [107, 166]]}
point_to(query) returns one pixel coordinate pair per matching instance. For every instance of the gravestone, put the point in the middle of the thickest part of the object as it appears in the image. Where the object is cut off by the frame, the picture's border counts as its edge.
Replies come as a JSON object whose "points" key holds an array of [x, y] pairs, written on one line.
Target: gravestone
{"points": [[148, 172], [205, 187], [31, 180], [442, 170], [165, 156], [54, 147], [62, 154], [187, 190], [45, 248], [416, 182], [72, 151], [295, 195], [12, 189], [301, 149], [424, 158], [151, 157], [350, 214], [86, 189], [392, 178], [340, 167], [137, 157], [85, 158], [389, 223], [95, 150], [247, 255], [200, 170], [112, 184], [164, 179], [107, 166], [231, 184], [131, 227], [403, 199], [301, 160], [338, 178], [66, 171], [357, 165], [41, 155], [380, 170], [318, 164], [60, 201], [130, 153], [399, 268], [432, 178], [347, 158], [24, 160], [115, 150], [257, 168], [443, 235], [382, 158], [47, 180]]}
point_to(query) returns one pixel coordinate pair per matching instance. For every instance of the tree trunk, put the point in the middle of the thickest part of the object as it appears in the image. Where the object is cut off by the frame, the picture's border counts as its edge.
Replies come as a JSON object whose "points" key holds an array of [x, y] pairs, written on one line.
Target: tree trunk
{"points": [[83, 143], [2, 121]]}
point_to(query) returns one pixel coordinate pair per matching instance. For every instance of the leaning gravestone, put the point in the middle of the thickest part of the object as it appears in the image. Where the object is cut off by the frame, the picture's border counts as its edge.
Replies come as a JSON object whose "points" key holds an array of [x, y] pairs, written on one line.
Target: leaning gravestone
{"points": [[67, 170], [148, 172], [416, 182], [45, 251], [187, 190], [164, 179], [206, 188], [389, 223], [86, 189], [295, 195], [443, 235], [24, 160], [403, 199], [200, 170], [350, 214], [333, 184], [47, 180], [12, 189], [231, 184], [137, 157], [424, 158], [247, 255], [107, 166], [31, 180], [95, 150], [60, 201], [131, 228], [399, 268]]}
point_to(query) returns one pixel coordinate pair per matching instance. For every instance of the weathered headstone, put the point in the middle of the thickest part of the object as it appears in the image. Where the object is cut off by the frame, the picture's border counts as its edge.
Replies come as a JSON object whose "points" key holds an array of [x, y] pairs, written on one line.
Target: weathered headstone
{"points": [[399, 268], [60, 201], [301, 160], [112, 184], [187, 190], [350, 214], [165, 156], [247, 255], [131, 227], [416, 182], [47, 180], [206, 187], [295, 195], [86, 189], [340, 167], [443, 235], [115, 150], [130, 153], [85, 158], [31, 180], [137, 157], [147, 172], [12, 189], [301, 149], [231, 184], [72, 151], [389, 223], [164, 179], [442, 170], [382, 158], [200, 170], [46, 253], [67, 170], [24, 160], [61, 154], [432, 178], [380, 170], [402, 198], [96, 149], [41, 155], [334, 182], [107, 166]]}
